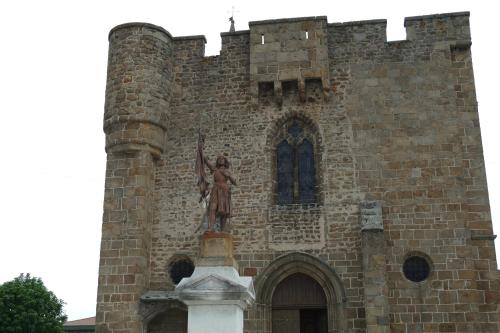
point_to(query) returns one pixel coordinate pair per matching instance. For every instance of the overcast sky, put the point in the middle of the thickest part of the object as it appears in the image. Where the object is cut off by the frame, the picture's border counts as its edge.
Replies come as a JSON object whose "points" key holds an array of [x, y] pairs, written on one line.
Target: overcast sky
{"points": [[53, 58]]}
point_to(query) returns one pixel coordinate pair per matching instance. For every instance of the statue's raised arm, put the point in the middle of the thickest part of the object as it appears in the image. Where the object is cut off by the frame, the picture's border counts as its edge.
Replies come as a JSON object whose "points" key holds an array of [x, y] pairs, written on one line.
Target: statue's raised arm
{"points": [[209, 164]]}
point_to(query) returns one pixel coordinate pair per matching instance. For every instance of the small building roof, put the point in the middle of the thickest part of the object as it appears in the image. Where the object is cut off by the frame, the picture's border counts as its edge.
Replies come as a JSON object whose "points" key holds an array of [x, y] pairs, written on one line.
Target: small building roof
{"points": [[84, 321]]}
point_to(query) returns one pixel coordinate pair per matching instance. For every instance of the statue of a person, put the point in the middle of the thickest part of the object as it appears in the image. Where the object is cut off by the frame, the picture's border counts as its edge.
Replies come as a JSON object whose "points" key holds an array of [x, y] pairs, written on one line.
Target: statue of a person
{"points": [[219, 204], [220, 194]]}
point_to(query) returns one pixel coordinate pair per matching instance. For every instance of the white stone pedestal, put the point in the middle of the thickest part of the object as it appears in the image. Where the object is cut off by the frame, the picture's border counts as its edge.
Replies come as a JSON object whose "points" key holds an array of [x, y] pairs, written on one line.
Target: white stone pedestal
{"points": [[215, 294], [216, 298], [221, 318]]}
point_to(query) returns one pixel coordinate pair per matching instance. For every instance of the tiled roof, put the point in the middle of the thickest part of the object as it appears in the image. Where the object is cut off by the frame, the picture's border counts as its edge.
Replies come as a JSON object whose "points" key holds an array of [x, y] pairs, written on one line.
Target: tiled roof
{"points": [[84, 321]]}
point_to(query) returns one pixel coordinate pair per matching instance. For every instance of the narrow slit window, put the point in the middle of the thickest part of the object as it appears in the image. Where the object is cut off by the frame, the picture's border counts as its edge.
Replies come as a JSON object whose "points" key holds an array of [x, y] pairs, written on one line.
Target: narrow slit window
{"points": [[307, 34], [262, 39]]}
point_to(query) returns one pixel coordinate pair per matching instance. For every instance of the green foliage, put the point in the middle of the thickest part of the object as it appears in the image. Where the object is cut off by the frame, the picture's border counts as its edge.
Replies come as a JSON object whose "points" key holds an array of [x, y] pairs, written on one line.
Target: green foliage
{"points": [[27, 306]]}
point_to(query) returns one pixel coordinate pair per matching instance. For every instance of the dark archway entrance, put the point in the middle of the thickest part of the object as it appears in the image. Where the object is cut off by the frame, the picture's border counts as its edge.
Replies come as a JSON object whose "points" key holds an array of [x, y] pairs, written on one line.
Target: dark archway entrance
{"points": [[312, 267], [171, 321], [299, 306], [161, 313]]}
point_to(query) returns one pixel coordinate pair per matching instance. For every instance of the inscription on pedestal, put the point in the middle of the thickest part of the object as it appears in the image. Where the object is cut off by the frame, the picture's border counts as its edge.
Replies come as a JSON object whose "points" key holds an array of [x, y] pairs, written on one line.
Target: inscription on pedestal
{"points": [[216, 244], [216, 250]]}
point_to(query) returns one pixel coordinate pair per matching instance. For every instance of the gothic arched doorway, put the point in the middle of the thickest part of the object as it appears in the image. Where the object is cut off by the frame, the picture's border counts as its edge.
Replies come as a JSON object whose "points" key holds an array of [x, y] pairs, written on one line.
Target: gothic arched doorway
{"points": [[299, 306], [322, 275]]}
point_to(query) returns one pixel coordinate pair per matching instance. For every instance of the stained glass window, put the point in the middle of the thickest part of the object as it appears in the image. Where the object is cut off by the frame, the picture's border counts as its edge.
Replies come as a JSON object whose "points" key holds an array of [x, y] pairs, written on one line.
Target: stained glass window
{"points": [[296, 172], [285, 173], [306, 172]]}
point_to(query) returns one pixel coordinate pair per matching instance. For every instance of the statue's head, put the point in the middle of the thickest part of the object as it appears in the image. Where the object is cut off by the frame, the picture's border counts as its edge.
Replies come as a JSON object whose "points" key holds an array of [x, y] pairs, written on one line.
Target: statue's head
{"points": [[222, 161]]}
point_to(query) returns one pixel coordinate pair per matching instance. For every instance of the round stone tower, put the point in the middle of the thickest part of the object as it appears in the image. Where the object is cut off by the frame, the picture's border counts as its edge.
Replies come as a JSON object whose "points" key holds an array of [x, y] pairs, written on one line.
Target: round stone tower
{"points": [[137, 100], [137, 89]]}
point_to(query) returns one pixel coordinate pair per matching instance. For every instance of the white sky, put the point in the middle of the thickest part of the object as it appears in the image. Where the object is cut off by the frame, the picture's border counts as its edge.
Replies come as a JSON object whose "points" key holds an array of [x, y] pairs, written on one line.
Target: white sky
{"points": [[53, 57]]}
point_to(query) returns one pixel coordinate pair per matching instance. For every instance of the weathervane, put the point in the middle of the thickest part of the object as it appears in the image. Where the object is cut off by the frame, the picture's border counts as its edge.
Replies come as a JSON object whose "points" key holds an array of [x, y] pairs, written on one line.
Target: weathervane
{"points": [[231, 19]]}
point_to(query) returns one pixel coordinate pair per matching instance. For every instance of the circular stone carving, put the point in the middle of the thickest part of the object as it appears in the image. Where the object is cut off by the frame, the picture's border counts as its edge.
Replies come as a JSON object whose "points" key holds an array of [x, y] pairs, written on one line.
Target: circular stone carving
{"points": [[416, 268], [181, 269]]}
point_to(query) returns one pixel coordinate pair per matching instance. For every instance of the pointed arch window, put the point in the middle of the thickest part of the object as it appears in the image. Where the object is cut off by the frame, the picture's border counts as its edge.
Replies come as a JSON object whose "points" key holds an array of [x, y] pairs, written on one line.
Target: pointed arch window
{"points": [[295, 164], [285, 173]]}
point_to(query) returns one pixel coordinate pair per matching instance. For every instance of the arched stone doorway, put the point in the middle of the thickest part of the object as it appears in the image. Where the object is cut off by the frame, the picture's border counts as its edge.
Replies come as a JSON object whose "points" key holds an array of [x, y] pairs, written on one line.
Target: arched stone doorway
{"points": [[162, 313], [313, 268], [171, 321], [299, 306]]}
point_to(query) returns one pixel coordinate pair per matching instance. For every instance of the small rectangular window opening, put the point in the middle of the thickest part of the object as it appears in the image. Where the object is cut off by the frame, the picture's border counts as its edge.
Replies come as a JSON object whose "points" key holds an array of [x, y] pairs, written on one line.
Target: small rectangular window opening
{"points": [[307, 34], [262, 39], [266, 89]]}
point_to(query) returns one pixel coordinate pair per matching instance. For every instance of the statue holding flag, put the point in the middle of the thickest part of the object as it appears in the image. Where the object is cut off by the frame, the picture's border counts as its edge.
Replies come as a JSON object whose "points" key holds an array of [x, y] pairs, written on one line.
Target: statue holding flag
{"points": [[219, 202]]}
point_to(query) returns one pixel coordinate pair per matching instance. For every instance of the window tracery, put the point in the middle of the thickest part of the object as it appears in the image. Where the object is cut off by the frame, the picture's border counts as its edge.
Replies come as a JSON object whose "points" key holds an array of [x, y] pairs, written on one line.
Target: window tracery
{"points": [[296, 166]]}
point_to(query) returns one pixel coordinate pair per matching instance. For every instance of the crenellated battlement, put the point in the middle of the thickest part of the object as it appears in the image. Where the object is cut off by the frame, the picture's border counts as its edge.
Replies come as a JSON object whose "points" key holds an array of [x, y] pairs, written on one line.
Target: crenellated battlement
{"points": [[438, 27], [425, 28], [358, 32], [149, 69]]}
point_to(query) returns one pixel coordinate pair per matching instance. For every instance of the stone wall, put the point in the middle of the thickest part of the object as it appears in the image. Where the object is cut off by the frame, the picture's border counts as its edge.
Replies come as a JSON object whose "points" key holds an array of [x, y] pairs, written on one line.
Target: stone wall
{"points": [[137, 93], [395, 122], [418, 150]]}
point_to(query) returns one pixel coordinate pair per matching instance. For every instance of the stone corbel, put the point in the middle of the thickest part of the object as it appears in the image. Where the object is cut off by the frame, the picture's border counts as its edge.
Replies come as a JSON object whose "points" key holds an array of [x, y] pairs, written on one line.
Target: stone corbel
{"points": [[278, 92], [302, 89], [463, 44], [325, 83]]}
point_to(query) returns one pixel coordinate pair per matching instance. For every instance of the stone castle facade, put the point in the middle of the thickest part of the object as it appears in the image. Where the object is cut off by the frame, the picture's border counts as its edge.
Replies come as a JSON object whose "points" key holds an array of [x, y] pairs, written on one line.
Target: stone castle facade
{"points": [[361, 203]]}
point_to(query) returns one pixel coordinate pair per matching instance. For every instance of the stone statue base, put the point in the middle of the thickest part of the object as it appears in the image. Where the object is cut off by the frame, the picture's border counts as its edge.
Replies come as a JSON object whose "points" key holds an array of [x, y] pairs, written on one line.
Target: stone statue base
{"points": [[215, 294], [216, 250]]}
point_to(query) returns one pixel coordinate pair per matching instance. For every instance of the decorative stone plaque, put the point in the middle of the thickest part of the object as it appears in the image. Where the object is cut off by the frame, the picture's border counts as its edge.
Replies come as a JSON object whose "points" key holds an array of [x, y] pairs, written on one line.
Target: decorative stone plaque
{"points": [[371, 215]]}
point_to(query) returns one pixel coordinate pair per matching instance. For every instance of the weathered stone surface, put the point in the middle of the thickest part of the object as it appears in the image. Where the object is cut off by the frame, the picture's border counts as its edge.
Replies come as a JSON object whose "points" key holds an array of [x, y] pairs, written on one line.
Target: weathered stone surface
{"points": [[374, 271], [371, 216], [394, 122], [216, 250], [216, 244], [216, 285]]}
